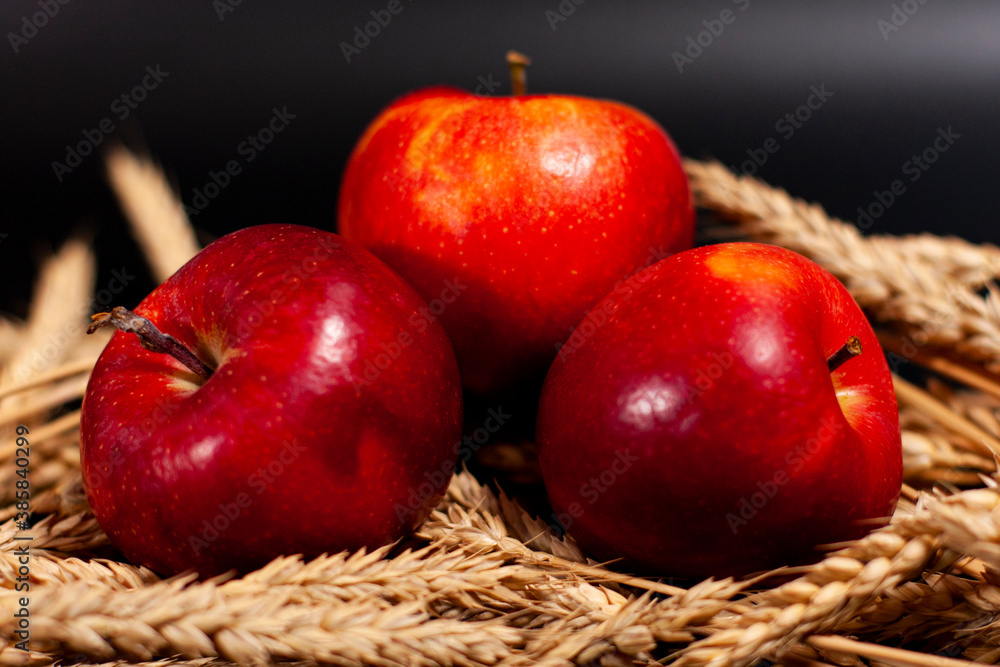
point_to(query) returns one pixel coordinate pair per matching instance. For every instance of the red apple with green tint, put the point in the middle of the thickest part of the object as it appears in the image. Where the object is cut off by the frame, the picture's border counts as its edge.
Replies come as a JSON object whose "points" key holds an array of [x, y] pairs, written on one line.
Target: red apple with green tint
{"points": [[537, 205], [265, 435], [713, 420]]}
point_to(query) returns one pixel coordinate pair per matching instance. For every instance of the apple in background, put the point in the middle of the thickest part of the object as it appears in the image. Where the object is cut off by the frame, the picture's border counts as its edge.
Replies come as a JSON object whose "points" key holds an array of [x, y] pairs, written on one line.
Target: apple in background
{"points": [[534, 206], [712, 420], [302, 406]]}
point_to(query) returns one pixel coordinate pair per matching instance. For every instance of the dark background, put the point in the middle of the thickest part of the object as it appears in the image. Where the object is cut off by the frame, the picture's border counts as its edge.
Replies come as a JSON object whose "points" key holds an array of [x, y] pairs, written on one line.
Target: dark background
{"points": [[892, 90]]}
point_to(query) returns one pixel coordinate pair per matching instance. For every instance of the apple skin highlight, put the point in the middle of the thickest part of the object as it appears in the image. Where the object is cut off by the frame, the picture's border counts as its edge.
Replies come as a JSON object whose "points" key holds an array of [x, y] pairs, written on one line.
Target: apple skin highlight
{"points": [[294, 444], [699, 431], [538, 204]]}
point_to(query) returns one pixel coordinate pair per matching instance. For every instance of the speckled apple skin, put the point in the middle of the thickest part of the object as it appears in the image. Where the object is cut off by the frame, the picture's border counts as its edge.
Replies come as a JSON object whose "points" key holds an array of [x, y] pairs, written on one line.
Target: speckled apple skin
{"points": [[538, 205], [314, 454], [708, 386]]}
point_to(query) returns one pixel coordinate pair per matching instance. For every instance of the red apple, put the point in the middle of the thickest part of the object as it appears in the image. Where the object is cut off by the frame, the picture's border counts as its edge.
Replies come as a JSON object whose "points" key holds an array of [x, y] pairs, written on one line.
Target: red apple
{"points": [[692, 424], [329, 406], [534, 205]]}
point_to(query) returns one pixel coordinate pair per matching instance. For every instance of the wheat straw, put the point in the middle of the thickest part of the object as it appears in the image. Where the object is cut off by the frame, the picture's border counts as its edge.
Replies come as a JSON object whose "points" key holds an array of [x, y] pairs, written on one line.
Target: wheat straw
{"points": [[58, 312], [156, 214]]}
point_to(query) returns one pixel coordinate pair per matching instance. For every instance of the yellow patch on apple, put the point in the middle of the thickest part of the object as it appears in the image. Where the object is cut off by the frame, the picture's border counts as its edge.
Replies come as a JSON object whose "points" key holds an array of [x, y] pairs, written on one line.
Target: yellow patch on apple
{"points": [[729, 264]]}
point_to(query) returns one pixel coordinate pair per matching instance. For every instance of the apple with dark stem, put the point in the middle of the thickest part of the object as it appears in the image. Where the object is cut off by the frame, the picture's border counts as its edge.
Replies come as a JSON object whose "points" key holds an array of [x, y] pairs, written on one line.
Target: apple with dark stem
{"points": [[537, 204], [729, 413], [242, 422]]}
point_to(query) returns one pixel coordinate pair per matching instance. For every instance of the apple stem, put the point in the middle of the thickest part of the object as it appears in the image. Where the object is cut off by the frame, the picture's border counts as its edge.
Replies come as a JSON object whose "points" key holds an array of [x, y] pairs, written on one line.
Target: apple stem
{"points": [[150, 337], [518, 63], [849, 350]]}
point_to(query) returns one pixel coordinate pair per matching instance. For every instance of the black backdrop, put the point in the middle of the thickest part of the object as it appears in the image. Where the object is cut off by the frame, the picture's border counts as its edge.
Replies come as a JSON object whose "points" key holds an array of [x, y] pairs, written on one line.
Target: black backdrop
{"points": [[885, 80]]}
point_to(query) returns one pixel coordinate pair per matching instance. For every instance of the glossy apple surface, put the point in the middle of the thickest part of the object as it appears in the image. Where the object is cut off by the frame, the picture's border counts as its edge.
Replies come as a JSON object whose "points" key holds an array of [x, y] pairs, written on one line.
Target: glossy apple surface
{"points": [[331, 405], [692, 426], [534, 205]]}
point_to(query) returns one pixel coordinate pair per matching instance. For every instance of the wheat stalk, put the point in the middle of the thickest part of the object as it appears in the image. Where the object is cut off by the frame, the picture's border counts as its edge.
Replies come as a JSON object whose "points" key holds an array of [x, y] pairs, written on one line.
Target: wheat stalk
{"points": [[153, 210], [476, 574], [459, 582]]}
